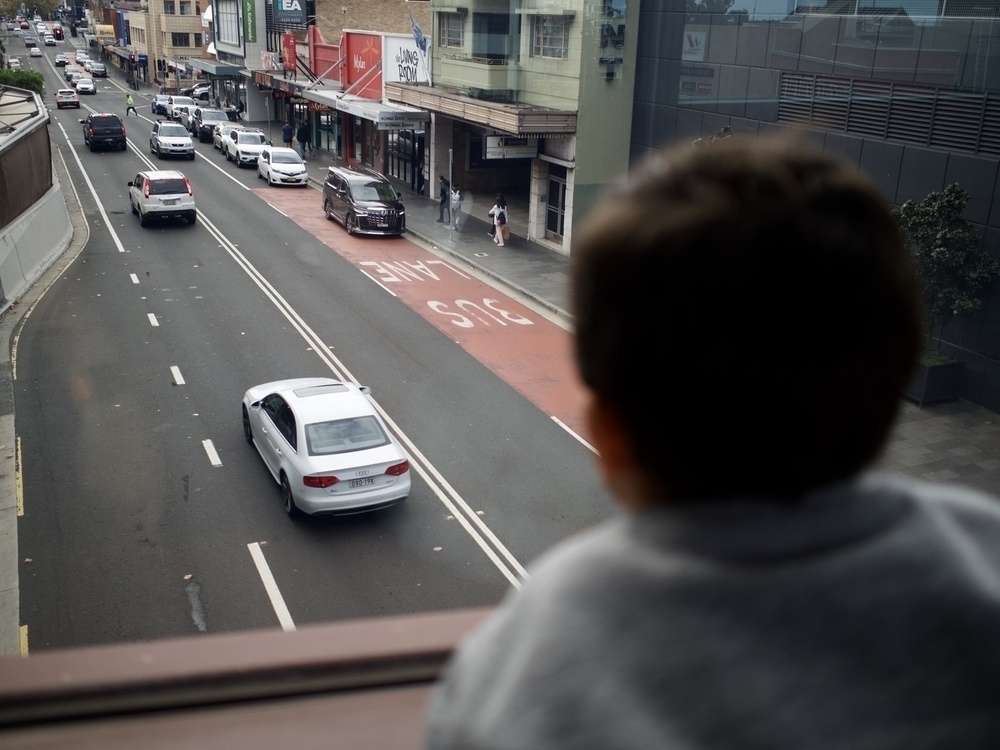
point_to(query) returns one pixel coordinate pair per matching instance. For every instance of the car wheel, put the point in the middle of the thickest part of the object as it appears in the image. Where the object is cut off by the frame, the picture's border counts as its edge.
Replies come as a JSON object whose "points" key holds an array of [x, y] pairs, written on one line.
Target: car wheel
{"points": [[228, 158], [192, 217], [260, 176], [247, 432], [123, 146], [132, 206], [287, 500], [350, 224], [191, 157], [143, 221], [327, 210]]}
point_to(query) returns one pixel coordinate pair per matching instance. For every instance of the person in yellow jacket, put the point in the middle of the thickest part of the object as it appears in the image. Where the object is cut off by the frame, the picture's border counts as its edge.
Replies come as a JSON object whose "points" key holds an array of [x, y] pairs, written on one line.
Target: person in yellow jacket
{"points": [[130, 105]]}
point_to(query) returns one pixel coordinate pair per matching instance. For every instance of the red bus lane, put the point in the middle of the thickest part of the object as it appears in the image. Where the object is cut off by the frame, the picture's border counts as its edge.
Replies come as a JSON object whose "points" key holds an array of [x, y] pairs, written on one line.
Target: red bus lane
{"points": [[529, 352]]}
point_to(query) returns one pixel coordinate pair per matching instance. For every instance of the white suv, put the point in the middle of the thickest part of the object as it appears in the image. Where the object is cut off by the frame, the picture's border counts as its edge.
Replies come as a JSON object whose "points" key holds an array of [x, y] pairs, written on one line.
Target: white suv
{"points": [[244, 147], [163, 194]]}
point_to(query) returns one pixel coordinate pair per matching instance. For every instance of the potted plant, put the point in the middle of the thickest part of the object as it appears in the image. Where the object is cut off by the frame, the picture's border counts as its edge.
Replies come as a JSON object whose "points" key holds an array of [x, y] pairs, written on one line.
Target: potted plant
{"points": [[955, 271]]}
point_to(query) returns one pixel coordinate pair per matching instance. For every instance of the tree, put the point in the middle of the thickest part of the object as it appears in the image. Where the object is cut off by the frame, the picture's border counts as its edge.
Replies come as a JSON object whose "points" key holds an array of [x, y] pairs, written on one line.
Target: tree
{"points": [[954, 267], [23, 79]]}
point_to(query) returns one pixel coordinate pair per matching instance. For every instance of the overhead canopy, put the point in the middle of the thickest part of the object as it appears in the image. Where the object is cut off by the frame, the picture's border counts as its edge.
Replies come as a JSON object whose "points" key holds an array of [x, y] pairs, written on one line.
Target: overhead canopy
{"points": [[214, 67], [210, 49], [207, 15], [385, 116]]}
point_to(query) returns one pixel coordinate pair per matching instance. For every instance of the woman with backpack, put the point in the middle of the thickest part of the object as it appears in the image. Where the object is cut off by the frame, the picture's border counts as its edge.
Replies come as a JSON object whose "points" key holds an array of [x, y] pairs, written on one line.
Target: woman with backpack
{"points": [[499, 214]]}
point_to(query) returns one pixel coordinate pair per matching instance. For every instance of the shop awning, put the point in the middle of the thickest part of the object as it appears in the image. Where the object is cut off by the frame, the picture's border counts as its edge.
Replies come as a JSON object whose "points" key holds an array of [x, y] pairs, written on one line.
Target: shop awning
{"points": [[207, 15], [210, 49], [214, 67], [385, 116], [517, 119]]}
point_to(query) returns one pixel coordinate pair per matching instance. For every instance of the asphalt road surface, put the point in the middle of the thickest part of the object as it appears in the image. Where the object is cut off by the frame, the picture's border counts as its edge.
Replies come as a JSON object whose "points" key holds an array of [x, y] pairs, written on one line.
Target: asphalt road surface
{"points": [[147, 515]]}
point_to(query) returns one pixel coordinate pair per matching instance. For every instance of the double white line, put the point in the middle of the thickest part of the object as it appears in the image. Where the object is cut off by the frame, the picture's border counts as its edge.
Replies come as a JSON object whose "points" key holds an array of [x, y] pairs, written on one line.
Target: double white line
{"points": [[449, 497]]}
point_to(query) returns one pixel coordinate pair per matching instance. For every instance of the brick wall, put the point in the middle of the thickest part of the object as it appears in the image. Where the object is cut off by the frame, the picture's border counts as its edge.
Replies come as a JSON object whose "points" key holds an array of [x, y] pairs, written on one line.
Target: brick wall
{"points": [[391, 16]]}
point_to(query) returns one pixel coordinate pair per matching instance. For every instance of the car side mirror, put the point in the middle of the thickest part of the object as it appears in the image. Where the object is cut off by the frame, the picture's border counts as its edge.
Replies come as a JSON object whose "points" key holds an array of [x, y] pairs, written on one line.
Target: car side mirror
{"points": [[365, 389], [131, 183]]}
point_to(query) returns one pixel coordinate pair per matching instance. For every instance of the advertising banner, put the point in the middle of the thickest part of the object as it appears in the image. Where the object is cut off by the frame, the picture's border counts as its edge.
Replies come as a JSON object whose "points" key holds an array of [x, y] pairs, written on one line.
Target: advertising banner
{"points": [[364, 53], [249, 22], [403, 62]]}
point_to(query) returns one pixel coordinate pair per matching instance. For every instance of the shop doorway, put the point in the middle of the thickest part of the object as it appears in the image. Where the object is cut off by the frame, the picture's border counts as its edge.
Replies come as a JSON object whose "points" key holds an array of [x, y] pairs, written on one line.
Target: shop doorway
{"points": [[405, 157], [555, 207]]}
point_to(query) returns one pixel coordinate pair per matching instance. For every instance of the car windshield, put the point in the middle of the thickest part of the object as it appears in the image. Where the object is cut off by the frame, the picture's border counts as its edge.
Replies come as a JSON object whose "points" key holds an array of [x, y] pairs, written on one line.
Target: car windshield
{"points": [[373, 191], [214, 115], [344, 435], [167, 186], [186, 100], [173, 131], [285, 157], [250, 138]]}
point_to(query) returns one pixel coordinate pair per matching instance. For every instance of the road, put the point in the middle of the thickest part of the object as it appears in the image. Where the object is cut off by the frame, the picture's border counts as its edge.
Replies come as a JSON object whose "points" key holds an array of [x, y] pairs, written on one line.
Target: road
{"points": [[147, 516]]}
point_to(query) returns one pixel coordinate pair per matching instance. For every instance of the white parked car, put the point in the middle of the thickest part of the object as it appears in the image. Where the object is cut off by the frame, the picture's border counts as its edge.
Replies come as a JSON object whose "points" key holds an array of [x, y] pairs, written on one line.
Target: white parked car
{"points": [[244, 147], [174, 103], [325, 446], [222, 131], [282, 166]]}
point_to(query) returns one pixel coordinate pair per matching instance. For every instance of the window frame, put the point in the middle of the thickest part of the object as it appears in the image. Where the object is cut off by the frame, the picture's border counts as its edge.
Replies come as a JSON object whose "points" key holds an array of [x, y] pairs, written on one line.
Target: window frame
{"points": [[451, 30], [551, 43]]}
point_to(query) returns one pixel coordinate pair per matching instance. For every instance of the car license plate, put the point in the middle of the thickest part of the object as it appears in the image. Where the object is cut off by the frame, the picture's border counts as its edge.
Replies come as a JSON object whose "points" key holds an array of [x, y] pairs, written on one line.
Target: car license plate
{"points": [[362, 482], [170, 202], [382, 224]]}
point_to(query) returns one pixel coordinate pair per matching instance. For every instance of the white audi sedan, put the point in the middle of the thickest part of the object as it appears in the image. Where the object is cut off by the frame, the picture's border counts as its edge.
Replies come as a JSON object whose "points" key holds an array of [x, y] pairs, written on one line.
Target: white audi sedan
{"points": [[326, 446], [282, 166]]}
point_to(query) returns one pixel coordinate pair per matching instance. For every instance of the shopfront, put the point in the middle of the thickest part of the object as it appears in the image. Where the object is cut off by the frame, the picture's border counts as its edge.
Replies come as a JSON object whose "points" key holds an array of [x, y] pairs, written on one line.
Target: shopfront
{"points": [[372, 134]]}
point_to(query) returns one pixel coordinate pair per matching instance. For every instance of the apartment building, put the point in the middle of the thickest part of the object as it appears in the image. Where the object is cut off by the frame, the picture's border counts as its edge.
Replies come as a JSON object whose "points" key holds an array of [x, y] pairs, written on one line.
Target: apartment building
{"points": [[529, 97]]}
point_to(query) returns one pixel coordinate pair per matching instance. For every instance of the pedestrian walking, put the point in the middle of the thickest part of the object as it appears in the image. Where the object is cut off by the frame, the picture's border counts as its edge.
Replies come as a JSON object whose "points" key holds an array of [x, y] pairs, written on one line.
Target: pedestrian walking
{"points": [[444, 196], [499, 214], [302, 136], [287, 134], [456, 204], [130, 105]]}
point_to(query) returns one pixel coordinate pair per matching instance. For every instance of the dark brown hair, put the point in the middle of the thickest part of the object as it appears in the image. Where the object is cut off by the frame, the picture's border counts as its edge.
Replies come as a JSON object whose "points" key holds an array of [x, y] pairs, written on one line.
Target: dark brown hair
{"points": [[751, 313]]}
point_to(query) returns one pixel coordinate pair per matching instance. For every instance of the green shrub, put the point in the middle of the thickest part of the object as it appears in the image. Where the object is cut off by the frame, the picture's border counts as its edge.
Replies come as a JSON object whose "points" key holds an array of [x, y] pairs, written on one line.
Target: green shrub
{"points": [[23, 79]]}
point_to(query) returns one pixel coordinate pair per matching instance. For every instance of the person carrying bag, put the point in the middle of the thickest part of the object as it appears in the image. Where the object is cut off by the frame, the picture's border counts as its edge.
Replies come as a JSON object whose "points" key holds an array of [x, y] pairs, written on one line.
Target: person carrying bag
{"points": [[499, 230]]}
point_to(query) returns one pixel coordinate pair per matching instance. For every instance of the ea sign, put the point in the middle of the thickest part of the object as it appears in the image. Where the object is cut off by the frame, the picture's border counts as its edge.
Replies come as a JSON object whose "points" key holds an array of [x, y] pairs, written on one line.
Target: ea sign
{"points": [[290, 12]]}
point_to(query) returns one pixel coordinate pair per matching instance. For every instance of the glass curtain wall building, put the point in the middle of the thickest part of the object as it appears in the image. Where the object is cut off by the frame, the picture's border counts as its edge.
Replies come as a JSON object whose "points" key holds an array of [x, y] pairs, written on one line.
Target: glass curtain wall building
{"points": [[907, 90]]}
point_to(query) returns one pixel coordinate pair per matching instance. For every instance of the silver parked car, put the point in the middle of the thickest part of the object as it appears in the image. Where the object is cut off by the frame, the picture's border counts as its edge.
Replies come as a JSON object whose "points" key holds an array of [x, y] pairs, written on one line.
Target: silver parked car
{"points": [[325, 446]]}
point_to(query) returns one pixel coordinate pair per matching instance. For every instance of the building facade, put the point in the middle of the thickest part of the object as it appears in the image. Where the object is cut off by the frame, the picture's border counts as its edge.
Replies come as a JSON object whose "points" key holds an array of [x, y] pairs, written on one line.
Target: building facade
{"points": [[519, 91], [910, 94]]}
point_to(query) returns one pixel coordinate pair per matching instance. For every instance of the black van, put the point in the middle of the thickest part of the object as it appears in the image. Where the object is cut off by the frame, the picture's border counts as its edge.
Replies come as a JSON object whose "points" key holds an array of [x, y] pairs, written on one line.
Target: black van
{"points": [[363, 201]]}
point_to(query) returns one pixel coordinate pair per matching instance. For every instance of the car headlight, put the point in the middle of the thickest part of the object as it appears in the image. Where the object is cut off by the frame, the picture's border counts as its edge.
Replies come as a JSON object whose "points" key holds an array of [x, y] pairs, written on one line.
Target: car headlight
{"points": [[361, 211]]}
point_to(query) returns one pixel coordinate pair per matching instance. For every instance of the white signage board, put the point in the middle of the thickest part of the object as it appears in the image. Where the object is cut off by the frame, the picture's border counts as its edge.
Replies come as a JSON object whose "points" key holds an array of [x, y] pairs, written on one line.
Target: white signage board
{"points": [[511, 147]]}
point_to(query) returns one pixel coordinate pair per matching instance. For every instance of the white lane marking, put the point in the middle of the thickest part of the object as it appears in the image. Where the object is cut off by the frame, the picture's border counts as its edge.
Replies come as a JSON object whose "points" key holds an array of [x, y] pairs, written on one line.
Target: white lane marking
{"points": [[482, 535], [93, 191], [384, 287], [213, 455], [152, 320], [277, 601], [580, 439], [176, 372], [135, 279]]}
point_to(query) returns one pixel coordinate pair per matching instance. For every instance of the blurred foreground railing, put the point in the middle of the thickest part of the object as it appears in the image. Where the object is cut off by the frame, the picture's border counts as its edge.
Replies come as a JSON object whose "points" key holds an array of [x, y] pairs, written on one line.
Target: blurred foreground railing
{"points": [[360, 684]]}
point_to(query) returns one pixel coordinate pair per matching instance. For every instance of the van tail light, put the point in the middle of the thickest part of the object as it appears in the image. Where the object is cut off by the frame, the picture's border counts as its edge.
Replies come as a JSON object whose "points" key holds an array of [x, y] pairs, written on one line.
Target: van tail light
{"points": [[190, 189], [145, 189], [319, 482], [398, 469]]}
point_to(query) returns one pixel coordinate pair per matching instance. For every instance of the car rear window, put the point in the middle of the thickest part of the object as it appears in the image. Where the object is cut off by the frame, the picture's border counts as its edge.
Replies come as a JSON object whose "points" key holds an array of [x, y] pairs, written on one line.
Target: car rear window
{"points": [[344, 435], [173, 131], [106, 122], [167, 186]]}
